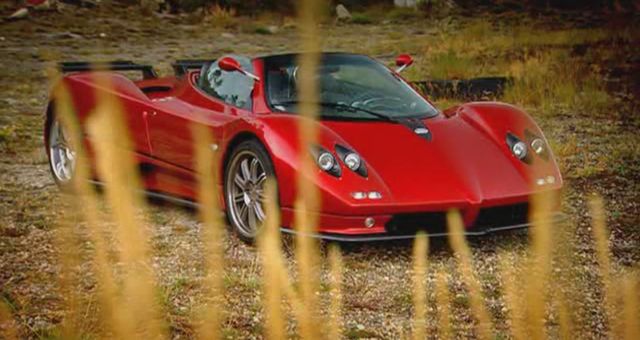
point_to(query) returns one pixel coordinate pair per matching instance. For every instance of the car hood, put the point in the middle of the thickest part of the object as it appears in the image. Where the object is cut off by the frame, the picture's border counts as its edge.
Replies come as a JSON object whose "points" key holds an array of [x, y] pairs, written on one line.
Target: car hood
{"points": [[460, 164]]}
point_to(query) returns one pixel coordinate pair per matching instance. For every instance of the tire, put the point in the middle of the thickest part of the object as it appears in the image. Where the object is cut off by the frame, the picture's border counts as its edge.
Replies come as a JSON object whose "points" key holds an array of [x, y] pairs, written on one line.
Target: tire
{"points": [[246, 173], [60, 153]]}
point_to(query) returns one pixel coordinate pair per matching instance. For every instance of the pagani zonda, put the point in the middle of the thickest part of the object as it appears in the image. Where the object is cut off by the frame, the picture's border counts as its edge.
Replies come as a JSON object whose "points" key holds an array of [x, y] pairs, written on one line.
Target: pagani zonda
{"points": [[388, 162]]}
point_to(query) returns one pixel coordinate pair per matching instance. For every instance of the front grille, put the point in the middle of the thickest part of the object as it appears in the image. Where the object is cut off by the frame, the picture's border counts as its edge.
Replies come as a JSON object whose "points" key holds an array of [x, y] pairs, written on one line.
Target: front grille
{"points": [[502, 216], [436, 222], [409, 224]]}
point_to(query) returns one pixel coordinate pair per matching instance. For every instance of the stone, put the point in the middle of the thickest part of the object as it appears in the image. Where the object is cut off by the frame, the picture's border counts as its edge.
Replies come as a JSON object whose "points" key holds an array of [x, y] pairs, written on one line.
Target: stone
{"points": [[342, 13], [19, 14], [405, 3]]}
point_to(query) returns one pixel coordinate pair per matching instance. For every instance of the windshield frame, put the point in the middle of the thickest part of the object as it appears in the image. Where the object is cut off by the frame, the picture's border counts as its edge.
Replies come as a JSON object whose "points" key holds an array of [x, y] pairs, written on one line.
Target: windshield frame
{"points": [[432, 110]]}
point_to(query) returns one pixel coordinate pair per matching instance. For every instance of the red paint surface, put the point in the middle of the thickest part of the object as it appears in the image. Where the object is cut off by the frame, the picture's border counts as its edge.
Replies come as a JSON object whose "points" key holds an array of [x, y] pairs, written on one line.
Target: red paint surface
{"points": [[467, 165]]}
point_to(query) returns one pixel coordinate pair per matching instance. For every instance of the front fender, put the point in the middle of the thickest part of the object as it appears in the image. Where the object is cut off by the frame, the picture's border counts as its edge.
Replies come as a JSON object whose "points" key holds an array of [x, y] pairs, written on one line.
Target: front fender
{"points": [[496, 120]]}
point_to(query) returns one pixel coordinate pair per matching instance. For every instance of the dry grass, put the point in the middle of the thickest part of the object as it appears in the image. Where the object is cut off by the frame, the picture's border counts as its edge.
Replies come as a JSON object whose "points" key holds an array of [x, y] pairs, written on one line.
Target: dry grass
{"points": [[420, 251], [288, 290]]}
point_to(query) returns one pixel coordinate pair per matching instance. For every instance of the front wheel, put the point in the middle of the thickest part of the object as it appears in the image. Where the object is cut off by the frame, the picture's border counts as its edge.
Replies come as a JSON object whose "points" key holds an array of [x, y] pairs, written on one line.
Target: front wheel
{"points": [[62, 156], [246, 173]]}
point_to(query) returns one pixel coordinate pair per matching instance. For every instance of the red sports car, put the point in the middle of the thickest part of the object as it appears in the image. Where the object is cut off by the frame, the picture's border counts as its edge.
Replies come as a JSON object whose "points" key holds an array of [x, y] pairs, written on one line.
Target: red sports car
{"points": [[389, 163]]}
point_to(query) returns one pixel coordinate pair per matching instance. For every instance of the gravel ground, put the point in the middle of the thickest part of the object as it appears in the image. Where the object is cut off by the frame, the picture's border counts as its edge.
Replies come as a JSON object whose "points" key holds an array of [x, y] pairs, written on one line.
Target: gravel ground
{"points": [[34, 216]]}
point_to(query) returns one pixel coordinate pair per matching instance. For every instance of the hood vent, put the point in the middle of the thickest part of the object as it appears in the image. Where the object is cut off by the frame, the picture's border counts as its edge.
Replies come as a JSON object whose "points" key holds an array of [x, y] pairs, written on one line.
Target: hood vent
{"points": [[417, 126]]}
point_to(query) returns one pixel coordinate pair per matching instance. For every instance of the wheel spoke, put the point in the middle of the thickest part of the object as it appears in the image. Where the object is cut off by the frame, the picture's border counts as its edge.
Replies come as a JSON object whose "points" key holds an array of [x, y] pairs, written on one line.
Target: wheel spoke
{"points": [[61, 134], [238, 198], [59, 168], [239, 181], [242, 212], [258, 211], [244, 166], [261, 195], [252, 218], [254, 170], [261, 179]]}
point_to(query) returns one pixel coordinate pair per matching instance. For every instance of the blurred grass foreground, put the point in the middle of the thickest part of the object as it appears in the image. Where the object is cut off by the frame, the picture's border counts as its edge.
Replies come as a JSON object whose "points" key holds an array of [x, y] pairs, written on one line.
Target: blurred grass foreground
{"points": [[297, 287]]}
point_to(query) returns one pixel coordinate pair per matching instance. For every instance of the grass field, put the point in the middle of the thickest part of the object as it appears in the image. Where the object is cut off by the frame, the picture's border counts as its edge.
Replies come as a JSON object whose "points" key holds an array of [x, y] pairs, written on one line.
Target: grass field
{"points": [[577, 75]]}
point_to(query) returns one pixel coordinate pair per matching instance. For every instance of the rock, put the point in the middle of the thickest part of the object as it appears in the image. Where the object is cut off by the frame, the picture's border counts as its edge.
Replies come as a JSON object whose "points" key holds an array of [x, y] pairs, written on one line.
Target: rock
{"points": [[68, 35], [227, 35], [405, 3], [272, 29], [342, 13], [40, 5], [19, 14], [102, 35]]}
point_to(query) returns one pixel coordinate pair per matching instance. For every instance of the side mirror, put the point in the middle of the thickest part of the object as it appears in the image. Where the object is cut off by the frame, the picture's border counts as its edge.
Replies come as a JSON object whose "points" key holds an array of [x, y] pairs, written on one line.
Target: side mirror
{"points": [[229, 64], [403, 61]]}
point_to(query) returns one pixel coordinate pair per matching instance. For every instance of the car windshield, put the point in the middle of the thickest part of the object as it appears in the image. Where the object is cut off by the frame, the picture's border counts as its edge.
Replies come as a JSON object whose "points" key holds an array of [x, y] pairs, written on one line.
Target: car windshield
{"points": [[351, 87]]}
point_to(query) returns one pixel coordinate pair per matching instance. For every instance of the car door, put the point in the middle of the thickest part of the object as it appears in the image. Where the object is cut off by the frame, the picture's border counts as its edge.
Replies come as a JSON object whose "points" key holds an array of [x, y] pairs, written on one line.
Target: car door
{"points": [[213, 100]]}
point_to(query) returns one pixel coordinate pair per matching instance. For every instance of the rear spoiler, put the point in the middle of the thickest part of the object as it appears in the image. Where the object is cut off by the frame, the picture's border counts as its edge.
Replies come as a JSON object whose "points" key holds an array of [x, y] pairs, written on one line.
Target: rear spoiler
{"points": [[119, 65], [182, 66]]}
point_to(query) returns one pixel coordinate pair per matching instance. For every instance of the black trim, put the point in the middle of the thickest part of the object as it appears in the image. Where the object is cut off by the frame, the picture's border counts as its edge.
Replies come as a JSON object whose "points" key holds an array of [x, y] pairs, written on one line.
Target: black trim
{"points": [[119, 65], [183, 66], [155, 89], [556, 218]]}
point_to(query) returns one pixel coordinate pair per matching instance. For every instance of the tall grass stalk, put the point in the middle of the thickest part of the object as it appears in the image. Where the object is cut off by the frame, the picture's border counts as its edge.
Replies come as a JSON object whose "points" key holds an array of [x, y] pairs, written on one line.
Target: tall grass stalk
{"points": [[511, 294], [335, 312], [564, 316], [630, 288], [69, 258], [86, 198], [603, 254], [68, 245], [213, 232], [273, 268], [420, 252], [307, 200], [462, 251], [117, 169], [443, 304], [7, 324], [541, 209]]}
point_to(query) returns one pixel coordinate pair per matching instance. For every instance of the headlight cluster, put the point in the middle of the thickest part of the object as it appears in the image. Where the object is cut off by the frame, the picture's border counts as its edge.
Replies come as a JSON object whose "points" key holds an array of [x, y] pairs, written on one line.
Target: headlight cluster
{"points": [[520, 149], [327, 161], [538, 146]]}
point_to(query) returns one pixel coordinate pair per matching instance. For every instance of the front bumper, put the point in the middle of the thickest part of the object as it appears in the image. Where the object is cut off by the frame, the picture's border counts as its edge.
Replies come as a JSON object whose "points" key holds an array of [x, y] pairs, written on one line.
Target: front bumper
{"points": [[385, 235]]}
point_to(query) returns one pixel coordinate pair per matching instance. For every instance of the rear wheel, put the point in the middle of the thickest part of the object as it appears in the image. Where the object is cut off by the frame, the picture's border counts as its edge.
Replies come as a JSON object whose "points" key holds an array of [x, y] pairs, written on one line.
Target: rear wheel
{"points": [[246, 173], [62, 156]]}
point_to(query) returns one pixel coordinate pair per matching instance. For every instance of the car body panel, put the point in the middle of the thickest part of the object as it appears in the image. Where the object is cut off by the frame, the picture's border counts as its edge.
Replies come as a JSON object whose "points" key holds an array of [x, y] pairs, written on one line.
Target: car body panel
{"points": [[466, 165]]}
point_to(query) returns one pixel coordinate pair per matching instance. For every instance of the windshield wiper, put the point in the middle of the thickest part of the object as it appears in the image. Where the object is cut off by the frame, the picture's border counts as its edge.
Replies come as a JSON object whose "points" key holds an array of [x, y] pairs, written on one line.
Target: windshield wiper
{"points": [[345, 107]]}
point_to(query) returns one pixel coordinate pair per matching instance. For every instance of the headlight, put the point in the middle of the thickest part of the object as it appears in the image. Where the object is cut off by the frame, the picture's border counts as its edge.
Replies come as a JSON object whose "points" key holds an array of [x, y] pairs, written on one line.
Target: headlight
{"points": [[538, 146], [352, 161], [326, 161], [519, 150]]}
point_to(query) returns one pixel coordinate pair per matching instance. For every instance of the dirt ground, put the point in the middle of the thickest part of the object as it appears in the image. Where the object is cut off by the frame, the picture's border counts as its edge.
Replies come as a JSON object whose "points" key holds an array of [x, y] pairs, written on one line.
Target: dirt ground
{"points": [[377, 278]]}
